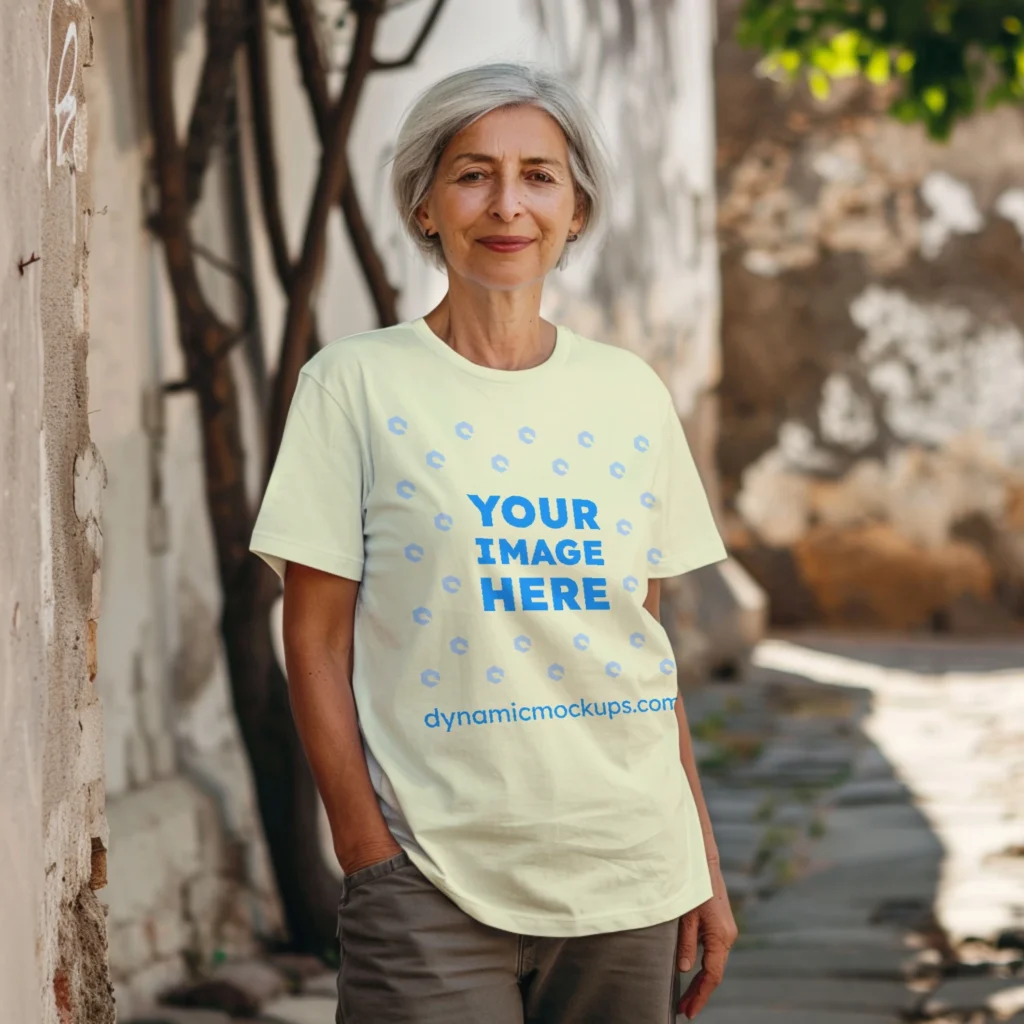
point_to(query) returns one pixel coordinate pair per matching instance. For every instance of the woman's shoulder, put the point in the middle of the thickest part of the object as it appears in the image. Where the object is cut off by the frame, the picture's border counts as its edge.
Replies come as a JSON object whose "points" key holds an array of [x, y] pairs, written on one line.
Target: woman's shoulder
{"points": [[353, 354], [628, 367]]}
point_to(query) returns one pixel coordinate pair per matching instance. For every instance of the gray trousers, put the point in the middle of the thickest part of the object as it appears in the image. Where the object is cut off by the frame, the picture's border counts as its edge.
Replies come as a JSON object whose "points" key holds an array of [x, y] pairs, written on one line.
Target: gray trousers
{"points": [[409, 955]]}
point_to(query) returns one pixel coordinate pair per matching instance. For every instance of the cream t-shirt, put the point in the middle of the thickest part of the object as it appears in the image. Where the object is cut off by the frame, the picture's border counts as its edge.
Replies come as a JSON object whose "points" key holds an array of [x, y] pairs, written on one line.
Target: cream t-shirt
{"points": [[514, 695]]}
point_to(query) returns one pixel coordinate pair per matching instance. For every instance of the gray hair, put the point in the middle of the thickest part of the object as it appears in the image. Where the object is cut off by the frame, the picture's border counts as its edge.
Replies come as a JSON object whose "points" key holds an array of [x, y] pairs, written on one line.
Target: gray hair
{"points": [[455, 102]]}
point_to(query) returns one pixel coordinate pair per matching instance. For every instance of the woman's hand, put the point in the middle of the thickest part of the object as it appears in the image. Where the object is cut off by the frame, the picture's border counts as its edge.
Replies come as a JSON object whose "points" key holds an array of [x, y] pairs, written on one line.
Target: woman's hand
{"points": [[354, 857], [713, 925]]}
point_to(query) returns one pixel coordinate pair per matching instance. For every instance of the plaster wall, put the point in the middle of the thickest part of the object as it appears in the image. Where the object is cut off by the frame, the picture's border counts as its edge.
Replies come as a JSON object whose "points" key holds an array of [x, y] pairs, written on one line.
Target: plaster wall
{"points": [[53, 957]]}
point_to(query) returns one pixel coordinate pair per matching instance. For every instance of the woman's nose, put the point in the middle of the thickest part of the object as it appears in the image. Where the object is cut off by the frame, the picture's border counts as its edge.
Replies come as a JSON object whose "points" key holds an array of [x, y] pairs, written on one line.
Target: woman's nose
{"points": [[507, 200]]}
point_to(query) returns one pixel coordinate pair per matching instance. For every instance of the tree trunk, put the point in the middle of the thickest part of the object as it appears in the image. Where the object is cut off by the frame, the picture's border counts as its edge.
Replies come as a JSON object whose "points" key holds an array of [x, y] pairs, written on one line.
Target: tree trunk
{"points": [[285, 790]]}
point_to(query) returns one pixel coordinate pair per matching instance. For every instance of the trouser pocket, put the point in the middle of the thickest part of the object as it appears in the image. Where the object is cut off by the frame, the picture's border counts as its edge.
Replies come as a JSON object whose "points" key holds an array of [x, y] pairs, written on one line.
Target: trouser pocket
{"points": [[370, 873]]}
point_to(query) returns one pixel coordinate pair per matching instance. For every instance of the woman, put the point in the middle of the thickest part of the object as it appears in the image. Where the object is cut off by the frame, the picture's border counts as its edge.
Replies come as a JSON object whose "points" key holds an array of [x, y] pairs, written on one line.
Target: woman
{"points": [[472, 513]]}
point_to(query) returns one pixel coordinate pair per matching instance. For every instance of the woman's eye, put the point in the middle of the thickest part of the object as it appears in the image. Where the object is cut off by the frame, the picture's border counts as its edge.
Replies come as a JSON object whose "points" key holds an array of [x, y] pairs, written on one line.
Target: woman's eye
{"points": [[542, 176], [468, 176]]}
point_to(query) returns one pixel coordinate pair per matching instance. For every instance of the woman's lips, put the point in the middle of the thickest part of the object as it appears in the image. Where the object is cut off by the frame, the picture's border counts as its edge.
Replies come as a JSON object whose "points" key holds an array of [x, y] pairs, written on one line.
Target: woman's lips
{"points": [[505, 243]]}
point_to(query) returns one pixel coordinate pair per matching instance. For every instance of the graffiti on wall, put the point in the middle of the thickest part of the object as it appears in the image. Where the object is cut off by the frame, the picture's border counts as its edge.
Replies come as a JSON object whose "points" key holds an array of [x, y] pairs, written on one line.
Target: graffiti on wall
{"points": [[62, 61]]}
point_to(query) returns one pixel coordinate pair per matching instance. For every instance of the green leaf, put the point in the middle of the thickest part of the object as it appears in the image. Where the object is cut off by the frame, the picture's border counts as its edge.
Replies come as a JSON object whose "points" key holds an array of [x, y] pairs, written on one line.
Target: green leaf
{"points": [[878, 70], [1013, 25], [790, 60], [819, 84], [905, 62], [844, 44], [935, 98]]}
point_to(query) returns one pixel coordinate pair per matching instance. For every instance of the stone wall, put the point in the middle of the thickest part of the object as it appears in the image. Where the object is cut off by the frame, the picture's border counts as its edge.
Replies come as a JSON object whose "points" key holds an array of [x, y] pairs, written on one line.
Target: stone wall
{"points": [[53, 957], [872, 433]]}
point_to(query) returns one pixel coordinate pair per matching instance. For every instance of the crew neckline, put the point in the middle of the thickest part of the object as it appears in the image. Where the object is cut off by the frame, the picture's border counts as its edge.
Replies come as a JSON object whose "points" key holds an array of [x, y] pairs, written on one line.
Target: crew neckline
{"points": [[532, 373]]}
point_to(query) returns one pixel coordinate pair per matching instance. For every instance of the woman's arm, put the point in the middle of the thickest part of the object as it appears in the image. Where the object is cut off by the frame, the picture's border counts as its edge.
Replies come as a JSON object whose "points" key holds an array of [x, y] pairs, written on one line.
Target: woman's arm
{"points": [[653, 605], [319, 617]]}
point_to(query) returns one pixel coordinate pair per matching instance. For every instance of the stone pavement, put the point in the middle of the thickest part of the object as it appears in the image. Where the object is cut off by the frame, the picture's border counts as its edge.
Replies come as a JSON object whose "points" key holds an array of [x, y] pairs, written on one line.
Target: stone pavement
{"points": [[868, 801], [880, 786]]}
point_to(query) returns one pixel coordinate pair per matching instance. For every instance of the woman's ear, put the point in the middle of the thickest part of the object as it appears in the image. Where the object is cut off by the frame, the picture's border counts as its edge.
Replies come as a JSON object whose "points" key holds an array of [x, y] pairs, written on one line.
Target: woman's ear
{"points": [[424, 221], [579, 218]]}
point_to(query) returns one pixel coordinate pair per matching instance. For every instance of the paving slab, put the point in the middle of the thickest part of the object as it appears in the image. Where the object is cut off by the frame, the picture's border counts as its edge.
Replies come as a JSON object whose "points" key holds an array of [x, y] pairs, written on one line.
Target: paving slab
{"points": [[300, 1010], [323, 984], [735, 805], [175, 1015], [711, 1014], [870, 791], [1003, 995], [876, 832], [841, 938], [867, 885], [865, 962], [846, 994], [739, 843], [871, 764]]}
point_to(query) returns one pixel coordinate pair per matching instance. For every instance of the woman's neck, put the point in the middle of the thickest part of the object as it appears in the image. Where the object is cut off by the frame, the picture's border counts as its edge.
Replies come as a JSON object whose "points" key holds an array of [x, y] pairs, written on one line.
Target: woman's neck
{"points": [[502, 330]]}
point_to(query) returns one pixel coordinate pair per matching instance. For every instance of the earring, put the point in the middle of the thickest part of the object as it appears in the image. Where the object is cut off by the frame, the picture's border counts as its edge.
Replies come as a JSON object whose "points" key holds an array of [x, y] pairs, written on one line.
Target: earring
{"points": [[573, 236]]}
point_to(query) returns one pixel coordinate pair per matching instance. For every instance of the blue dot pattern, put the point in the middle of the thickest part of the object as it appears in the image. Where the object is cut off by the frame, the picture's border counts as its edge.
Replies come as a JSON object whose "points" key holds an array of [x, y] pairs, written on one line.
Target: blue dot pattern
{"points": [[414, 552]]}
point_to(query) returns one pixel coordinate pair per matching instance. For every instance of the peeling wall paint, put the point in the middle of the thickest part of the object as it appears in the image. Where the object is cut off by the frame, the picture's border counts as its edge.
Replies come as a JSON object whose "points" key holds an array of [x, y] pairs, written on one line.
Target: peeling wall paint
{"points": [[53, 954], [873, 353]]}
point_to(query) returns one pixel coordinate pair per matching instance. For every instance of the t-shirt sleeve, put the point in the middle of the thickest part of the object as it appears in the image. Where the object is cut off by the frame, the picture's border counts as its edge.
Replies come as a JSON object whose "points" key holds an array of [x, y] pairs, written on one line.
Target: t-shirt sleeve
{"points": [[684, 533], [312, 511]]}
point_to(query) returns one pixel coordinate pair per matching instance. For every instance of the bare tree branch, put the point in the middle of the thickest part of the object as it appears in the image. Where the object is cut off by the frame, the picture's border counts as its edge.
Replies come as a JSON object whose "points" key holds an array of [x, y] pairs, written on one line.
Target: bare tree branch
{"points": [[383, 293], [171, 219], [225, 28], [413, 52], [263, 135], [311, 61], [284, 785], [331, 181], [228, 269]]}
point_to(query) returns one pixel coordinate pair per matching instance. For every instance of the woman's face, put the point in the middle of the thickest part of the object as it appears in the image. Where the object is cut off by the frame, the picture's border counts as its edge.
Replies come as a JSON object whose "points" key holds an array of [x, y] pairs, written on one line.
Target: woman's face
{"points": [[503, 200]]}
